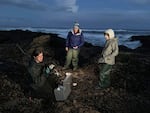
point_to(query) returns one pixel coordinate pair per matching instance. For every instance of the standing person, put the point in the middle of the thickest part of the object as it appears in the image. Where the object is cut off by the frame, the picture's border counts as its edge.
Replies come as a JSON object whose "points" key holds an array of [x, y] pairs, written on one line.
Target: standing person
{"points": [[74, 41], [107, 59]]}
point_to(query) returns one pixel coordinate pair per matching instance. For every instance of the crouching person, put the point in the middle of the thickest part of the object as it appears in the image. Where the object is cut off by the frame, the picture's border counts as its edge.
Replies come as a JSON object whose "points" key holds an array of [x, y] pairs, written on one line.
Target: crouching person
{"points": [[107, 59], [43, 82]]}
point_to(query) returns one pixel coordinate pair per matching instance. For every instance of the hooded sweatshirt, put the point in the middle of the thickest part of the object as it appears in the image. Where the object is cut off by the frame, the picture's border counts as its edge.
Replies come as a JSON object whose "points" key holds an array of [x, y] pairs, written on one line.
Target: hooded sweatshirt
{"points": [[110, 49]]}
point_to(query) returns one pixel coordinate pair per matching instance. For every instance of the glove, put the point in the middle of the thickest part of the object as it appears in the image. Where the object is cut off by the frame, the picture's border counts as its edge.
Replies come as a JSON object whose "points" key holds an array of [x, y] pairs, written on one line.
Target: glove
{"points": [[47, 70], [51, 66]]}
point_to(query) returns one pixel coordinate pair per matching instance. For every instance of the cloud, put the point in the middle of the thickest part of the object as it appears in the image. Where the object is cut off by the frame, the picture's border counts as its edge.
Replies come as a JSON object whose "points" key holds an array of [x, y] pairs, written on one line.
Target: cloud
{"points": [[115, 19], [12, 21], [28, 4], [141, 2], [67, 5]]}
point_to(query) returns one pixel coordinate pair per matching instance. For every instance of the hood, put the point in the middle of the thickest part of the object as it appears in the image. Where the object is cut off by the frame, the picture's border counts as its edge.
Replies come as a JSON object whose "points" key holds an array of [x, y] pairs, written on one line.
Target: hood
{"points": [[110, 32]]}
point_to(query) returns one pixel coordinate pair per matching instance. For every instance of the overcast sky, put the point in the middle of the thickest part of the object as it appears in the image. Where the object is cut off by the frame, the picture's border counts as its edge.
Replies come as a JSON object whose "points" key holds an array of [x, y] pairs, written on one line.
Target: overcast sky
{"points": [[118, 14]]}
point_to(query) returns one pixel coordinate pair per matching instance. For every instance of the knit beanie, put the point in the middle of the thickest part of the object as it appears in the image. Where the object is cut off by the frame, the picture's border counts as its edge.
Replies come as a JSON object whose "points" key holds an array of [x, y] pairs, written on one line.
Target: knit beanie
{"points": [[76, 25]]}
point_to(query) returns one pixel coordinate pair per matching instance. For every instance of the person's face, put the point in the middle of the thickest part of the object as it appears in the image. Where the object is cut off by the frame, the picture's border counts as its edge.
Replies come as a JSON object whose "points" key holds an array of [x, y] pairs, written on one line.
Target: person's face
{"points": [[75, 29], [39, 58], [106, 36]]}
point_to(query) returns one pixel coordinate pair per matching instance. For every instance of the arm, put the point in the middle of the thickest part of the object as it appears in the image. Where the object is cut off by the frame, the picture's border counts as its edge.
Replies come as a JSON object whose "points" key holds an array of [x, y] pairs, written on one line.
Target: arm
{"points": [[68, 39], [115, 50]]}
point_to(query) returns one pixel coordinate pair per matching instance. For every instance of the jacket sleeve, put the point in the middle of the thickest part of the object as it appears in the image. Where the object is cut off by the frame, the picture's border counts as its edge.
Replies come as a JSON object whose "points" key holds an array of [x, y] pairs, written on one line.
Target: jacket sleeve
{"points": [[115, 51], [68, 39], [81, 40]]}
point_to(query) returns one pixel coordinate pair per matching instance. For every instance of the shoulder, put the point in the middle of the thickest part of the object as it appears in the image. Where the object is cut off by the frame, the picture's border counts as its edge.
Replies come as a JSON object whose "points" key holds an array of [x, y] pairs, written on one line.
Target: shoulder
{"points": [[114, 40], [31, 65], [70, 33]]}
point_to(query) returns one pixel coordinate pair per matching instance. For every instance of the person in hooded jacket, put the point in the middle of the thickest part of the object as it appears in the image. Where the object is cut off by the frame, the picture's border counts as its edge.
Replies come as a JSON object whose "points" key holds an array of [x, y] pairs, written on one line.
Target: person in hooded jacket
{"points": [[107, 58], [74, 42]]}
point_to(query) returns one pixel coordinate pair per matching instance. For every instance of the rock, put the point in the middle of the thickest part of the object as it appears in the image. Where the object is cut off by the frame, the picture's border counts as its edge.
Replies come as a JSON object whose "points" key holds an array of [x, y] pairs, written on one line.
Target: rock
{"points": [[129, 78]]}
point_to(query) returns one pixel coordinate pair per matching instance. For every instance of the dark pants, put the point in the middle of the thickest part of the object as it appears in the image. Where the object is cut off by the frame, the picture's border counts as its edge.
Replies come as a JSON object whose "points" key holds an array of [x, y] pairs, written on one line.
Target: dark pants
{"points": [[46, 90], [104, 75]]}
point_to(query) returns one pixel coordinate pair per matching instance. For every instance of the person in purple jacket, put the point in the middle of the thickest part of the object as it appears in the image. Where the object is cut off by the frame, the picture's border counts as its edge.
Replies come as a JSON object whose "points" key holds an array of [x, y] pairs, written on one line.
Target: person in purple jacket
{"points": [[74, 41]]}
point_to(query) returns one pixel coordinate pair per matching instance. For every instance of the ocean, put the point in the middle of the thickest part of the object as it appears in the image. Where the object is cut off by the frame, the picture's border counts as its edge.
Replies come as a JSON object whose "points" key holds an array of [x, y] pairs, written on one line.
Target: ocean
{"points": [[94, 36]]}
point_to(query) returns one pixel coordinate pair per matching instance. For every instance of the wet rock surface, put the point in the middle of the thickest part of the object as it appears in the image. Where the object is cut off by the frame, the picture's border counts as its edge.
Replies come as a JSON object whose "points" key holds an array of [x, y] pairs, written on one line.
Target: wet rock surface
{"points": [[129, 91]]}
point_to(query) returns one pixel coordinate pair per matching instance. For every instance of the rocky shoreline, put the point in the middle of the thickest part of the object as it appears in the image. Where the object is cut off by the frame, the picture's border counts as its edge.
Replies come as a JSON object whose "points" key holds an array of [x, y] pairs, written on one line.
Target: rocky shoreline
{"points": [[129, 92]]}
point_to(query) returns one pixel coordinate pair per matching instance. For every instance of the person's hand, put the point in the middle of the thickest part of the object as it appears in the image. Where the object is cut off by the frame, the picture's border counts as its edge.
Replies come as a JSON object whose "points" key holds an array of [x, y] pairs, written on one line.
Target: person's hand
{"points": [[76, 47], [51, 66], [66, 48]]}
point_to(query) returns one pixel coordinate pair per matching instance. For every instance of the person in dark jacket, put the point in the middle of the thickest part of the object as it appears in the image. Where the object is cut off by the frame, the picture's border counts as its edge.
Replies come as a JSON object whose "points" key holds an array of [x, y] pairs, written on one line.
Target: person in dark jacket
{"points": [[43, 81], [74, 42], [107, 59]]}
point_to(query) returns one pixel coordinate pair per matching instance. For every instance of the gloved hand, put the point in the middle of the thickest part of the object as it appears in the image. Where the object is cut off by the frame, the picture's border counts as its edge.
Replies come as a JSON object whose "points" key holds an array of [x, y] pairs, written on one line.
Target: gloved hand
{"points": [[47, 70], [51, 66]]}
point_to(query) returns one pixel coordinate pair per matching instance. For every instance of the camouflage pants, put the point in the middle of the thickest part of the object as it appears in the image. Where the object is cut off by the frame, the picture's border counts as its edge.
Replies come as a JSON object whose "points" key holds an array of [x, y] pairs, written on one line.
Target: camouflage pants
{"points": [[104, 75], [72, 55]]}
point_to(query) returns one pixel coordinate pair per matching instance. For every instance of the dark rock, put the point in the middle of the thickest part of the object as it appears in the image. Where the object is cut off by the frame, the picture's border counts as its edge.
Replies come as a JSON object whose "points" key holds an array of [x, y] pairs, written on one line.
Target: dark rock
{"points": [[129, 91], [145, 40]]}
